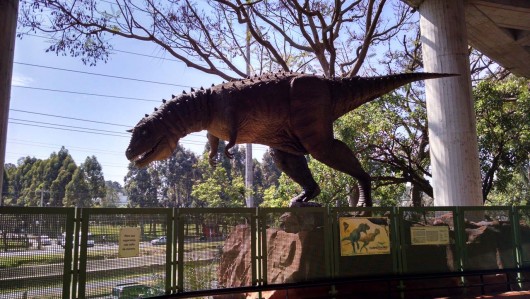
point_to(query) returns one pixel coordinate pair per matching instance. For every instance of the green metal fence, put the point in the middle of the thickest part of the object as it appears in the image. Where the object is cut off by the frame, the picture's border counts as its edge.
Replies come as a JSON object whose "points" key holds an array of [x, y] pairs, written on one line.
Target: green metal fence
{"points": [[115, 253]]}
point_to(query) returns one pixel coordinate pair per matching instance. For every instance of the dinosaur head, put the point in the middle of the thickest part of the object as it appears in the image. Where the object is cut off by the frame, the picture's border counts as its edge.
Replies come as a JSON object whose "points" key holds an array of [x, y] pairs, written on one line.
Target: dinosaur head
{"points": [[150, 141]]}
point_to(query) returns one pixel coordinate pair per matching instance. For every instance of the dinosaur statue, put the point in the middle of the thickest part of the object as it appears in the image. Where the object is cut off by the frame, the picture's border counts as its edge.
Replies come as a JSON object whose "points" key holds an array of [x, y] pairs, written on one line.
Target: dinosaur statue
{"points": [[290, 112]]}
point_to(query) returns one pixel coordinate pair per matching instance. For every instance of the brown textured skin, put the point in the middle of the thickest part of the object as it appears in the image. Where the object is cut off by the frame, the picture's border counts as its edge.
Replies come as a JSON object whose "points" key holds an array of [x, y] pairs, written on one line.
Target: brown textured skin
{"points": [[291, 113]]}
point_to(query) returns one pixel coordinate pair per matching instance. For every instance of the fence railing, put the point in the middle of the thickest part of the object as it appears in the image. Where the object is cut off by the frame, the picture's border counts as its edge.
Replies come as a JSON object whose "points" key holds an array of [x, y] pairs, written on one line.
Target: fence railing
{"points": [[115, 253]]}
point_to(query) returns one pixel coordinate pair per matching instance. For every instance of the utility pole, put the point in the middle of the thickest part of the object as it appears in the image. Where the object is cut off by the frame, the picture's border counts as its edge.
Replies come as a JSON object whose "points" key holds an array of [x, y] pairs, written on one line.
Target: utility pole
{"points": [[8, 27], [249, 171]]}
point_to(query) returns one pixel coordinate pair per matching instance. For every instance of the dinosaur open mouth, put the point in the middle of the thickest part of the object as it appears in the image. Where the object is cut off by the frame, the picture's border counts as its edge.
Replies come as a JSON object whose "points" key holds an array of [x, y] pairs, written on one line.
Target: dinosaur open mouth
{"points": [[145, 157]]}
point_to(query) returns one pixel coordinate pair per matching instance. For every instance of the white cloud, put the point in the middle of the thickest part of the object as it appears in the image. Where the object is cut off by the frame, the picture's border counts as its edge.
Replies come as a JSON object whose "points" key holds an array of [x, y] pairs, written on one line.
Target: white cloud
{"points": [[21, 80]]}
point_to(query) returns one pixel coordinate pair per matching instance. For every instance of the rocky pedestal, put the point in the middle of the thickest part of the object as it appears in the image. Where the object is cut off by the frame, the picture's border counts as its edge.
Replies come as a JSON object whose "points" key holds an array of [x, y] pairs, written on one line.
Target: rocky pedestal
{"points": [[294, 253]]}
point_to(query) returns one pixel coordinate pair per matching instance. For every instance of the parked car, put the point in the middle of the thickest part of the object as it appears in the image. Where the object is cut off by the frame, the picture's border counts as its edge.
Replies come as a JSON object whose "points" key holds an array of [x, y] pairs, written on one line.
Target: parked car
{"points": [[159, 241], [44, 240], [134, 290], [62, 240]]}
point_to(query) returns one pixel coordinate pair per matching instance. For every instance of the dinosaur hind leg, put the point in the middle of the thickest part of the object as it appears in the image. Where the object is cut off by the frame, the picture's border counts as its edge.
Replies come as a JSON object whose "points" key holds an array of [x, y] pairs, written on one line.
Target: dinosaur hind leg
{"points": [[337, 155], [296, 168]]}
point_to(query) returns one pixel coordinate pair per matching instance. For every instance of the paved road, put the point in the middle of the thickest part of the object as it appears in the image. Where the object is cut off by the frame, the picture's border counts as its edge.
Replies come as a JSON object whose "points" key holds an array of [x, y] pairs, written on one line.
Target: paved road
{"points": [[34, 272]]}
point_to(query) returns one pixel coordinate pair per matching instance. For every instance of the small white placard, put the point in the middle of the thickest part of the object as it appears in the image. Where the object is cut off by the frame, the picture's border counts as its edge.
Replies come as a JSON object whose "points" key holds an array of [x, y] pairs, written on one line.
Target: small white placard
{"points": [[429, 235], [129, 242]]}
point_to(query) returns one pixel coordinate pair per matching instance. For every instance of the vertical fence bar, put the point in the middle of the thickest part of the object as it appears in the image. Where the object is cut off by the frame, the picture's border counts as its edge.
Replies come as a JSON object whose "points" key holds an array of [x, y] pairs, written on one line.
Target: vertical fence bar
{"points": [[174, 249], [263, 236], [395, 244], [460, 240], [180, 251], [68, 259], [72, 244], [328, 244], [169, 252], [85, 217], [254, 258]]}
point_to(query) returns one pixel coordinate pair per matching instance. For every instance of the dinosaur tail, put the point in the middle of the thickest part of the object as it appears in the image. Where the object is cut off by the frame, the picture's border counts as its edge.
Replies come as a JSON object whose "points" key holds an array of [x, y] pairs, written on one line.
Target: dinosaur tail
{"points": [[361, 90], [378, 86]]}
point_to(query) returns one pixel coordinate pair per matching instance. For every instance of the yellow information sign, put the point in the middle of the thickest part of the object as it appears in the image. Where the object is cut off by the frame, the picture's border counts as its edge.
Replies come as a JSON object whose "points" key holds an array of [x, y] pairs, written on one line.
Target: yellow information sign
{"points": [[364, 236], [129, 242], [429, 235]]}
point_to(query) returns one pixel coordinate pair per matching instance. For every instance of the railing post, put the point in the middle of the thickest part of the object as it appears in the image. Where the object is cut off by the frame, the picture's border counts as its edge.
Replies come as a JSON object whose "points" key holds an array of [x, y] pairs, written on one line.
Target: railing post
{"points": [[170, 249], [85, 217], [518, 254], [254, 247], [68, 259], [180, 251], [263, 236]]}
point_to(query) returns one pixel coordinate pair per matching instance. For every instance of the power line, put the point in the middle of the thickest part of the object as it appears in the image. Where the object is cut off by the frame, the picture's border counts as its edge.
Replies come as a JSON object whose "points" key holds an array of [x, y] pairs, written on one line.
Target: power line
{"points": [[65, 117], [86, 120], [67, 126], [85, 93], [74, 148], [64, 129], [101, 75]]}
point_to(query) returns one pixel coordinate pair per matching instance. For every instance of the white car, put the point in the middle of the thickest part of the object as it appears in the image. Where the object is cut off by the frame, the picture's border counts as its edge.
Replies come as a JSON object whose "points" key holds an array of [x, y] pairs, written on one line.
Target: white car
{"points": [[44, 240], [62, 240], [159, 241]]}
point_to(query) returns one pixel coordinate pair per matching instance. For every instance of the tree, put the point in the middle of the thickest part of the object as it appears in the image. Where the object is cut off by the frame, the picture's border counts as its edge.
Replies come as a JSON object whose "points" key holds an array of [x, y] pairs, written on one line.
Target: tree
{"points": [[271, 173], [218, 191], [313, 36], [178, 174], [5, 182], [78, 191], [58, 186], [503, 123], [139, 188], [112, 196], [20, 180], [94, 176]]}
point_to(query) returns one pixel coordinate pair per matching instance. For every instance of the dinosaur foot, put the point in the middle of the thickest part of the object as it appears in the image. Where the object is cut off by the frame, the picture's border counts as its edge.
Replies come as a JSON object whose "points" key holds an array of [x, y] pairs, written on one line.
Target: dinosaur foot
{"points": [[303, 204]]}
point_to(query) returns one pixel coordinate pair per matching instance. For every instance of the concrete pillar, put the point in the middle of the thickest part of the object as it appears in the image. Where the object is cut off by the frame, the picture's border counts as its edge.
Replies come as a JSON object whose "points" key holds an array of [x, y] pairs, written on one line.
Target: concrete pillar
{"points": [[8, 26], [450, 111]]}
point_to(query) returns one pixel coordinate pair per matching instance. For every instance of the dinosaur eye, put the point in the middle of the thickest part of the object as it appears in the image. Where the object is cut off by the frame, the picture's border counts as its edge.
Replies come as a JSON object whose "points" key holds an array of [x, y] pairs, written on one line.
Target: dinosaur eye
{"points": [[144, 132]]}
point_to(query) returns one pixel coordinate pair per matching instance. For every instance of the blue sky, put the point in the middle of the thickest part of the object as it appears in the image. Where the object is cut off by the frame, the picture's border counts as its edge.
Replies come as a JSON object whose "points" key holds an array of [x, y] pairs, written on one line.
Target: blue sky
{"points": [[27, 135]]}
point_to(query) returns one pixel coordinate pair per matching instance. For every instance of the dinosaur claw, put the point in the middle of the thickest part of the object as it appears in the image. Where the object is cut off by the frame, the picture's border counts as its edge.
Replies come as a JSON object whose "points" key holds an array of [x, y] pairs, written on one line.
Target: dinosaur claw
{"points": [[228, 154], [212, 162]]}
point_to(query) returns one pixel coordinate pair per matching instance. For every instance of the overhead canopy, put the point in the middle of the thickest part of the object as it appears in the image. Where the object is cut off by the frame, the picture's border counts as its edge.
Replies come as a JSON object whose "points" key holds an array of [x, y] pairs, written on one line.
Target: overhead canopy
{"points": [[500, 29]]}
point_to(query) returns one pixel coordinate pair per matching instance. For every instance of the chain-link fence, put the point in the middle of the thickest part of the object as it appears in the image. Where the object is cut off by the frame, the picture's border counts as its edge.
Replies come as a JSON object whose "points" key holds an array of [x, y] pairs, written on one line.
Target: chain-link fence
{"points": [[33, 262], [131, 253]]}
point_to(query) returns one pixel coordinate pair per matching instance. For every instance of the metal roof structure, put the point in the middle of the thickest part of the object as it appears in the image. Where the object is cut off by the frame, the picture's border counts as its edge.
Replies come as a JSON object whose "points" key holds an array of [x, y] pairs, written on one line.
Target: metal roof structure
{"points": [[499, 29]]}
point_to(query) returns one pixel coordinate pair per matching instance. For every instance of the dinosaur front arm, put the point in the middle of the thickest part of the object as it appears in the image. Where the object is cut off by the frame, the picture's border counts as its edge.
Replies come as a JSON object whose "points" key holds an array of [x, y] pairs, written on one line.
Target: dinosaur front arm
{"points": [[214, 145]]}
